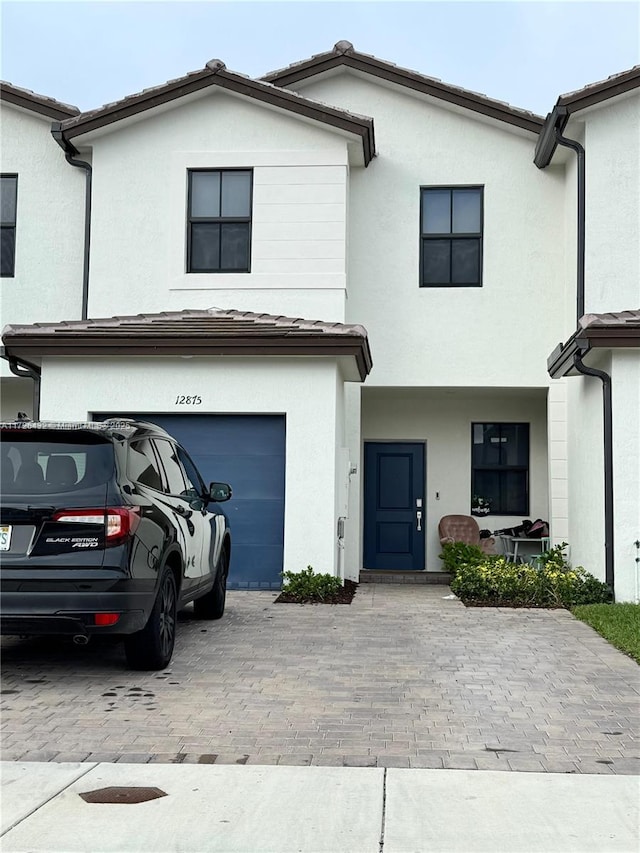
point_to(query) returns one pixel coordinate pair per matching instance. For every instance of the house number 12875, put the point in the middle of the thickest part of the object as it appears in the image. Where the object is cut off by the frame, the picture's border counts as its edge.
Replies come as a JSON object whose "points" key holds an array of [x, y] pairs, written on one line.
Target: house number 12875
{"points": [[182, 400]]}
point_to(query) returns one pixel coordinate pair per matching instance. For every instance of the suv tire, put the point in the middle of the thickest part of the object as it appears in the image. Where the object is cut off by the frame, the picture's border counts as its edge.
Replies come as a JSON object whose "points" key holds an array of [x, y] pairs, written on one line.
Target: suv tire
{"points": [[211, 605], [152, 647]]}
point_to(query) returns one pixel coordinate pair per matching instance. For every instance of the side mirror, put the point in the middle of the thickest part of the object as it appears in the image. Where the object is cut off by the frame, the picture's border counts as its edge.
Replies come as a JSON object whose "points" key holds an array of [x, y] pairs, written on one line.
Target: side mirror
{"points": [[219, 492]]}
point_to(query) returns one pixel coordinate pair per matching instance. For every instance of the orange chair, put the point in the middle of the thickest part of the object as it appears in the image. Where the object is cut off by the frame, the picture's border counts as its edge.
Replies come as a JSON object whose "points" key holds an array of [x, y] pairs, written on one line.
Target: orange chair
{"points": [[464, 528]]}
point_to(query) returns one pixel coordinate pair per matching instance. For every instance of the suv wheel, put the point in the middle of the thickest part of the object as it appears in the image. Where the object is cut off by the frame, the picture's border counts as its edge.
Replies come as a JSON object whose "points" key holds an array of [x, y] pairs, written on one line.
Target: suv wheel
{"points": [[211, 605], [152, 647]]}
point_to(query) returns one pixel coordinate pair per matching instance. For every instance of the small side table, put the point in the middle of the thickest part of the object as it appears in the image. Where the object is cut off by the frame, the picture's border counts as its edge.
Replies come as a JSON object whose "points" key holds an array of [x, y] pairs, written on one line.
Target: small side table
{"points": [[515, 554]]}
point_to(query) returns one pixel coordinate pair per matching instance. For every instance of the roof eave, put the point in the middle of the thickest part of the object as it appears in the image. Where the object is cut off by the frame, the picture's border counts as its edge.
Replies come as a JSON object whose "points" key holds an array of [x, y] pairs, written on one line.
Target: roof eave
{"points": [[33, 345], [408, 79], [361, 126], [36, 104]]}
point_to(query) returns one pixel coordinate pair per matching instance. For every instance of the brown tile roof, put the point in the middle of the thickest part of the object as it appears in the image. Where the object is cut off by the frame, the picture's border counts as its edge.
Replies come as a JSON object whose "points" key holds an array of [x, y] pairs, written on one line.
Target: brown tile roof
{"points": [[344, 54], [29, 100], [215, 73], [594, 93], [213, 331], [611, 320]]}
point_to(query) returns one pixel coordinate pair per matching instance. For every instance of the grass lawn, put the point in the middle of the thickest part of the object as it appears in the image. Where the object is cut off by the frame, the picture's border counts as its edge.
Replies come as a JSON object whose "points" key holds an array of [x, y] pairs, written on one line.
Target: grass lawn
{"points": [[618, 623]]}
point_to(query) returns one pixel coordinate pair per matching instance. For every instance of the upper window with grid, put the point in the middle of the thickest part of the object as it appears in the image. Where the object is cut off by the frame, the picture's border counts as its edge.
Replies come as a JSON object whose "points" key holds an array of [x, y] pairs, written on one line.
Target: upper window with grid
{"points": [[451, 237], [8, 204], [219, 220]]}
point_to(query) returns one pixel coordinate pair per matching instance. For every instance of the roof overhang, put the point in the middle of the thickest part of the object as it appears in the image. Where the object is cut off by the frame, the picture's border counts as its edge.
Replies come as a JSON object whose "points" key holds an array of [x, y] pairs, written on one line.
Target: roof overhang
{"points": [[194, 333], [215, 74], [34, 103], [573, 102], [596, 331], [344, 55]]}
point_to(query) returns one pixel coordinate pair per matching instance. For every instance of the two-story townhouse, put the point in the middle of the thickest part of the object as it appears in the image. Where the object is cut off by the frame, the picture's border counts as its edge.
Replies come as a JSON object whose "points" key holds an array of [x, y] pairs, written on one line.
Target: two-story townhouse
{"points": [[593, 137], [441, 239], [42, 227]]}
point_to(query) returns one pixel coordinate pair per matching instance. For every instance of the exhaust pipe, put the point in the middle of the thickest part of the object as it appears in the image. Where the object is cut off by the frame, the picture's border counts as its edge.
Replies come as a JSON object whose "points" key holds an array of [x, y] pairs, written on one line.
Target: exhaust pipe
{"points": [[80, 639]]}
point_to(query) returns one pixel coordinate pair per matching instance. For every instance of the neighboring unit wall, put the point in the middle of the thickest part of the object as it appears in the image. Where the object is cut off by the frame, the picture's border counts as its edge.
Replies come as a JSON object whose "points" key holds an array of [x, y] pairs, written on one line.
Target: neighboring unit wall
{"points": [[496, 335], [304, 390], [612, 144], [47, 286], [586, 471], [442, 418], [298, 218], [625, 372], [16, 395]]}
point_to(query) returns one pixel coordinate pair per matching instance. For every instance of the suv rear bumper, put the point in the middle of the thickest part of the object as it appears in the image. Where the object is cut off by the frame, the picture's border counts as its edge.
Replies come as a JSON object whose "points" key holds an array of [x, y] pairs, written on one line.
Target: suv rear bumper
{"points": [[72, 613]]}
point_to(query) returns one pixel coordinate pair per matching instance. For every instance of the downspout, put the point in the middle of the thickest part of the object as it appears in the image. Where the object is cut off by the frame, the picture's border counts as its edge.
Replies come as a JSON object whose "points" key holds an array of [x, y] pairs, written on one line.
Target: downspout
{"points": [[26, 370], [69, 153], [607, 404]]}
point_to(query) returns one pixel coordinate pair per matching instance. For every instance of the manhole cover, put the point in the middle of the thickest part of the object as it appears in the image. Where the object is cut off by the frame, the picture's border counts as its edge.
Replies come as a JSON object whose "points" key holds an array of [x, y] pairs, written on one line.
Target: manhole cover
{"points": [[122, 795]]}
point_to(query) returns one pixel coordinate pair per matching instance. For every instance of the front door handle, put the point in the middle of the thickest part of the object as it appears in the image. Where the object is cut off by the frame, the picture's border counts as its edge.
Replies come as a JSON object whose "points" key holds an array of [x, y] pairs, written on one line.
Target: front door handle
{"points": [[419, 520]]}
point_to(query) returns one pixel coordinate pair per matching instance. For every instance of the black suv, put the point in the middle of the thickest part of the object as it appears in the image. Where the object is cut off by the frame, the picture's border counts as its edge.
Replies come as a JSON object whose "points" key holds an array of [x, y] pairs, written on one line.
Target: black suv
{"points": [[107, 528]]}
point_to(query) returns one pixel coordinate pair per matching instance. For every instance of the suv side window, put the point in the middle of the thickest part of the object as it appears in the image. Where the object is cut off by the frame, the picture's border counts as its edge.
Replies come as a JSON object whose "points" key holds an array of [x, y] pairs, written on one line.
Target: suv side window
{"points": [[195, 485], [142, 466], [175, 478]]}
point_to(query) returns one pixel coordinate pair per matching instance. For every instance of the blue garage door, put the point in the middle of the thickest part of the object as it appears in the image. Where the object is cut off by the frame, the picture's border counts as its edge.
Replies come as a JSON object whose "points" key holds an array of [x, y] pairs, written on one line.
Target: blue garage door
{"points": [[247, 451]]}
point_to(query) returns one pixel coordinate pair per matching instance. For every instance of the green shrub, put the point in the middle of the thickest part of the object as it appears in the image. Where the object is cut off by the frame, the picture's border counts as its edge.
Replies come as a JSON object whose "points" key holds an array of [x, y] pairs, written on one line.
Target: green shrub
{"points": [[456, 554], [308, 586], [553, 583]]}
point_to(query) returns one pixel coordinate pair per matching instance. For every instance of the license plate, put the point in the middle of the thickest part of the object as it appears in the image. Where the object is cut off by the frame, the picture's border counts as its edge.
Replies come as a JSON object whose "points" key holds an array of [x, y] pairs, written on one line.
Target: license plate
{"points": [[5, 537]]}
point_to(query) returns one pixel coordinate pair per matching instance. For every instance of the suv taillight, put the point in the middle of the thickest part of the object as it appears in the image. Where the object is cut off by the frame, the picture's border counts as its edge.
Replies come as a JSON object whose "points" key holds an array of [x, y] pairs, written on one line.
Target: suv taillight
{"points": [[120, 522]]}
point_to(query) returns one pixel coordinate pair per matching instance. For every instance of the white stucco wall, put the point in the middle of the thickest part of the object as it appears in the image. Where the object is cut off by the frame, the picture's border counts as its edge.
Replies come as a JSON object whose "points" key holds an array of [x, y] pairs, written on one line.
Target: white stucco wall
{"points": [[497, 335], [302, 389], [300, 175], [625, 372], [16, 395], [49, 225], [586, 471], [442, 418], [612, 266]]}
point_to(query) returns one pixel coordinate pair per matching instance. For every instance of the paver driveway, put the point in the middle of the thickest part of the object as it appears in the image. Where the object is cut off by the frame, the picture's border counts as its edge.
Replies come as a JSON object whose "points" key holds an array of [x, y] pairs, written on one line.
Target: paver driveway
{"points": [[401, 678]]}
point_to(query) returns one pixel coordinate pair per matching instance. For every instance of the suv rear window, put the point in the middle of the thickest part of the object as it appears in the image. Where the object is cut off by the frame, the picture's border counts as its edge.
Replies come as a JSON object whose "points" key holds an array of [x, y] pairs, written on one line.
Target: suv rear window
{"points": [[52, 463]]}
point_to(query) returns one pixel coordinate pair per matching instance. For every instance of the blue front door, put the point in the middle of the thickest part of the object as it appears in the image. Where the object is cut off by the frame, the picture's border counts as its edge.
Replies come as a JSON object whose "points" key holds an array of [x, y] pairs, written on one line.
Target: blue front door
{"points": [[394, 506]]}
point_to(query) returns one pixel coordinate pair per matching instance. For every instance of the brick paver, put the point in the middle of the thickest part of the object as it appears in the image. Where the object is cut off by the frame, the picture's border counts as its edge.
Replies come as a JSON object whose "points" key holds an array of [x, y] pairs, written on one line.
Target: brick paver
{"points": [[401, 678]]}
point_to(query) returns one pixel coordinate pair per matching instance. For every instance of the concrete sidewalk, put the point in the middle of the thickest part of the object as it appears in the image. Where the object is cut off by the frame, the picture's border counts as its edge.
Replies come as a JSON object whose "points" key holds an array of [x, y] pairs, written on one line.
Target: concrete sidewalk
{"points": [[315, 809]]}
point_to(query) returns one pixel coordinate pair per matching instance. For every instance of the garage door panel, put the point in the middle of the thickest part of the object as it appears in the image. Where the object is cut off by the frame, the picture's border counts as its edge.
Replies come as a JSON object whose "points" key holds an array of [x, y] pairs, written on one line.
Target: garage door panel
{"points": [[243, 514], [266, 562], [250, 476], [247, 451]]}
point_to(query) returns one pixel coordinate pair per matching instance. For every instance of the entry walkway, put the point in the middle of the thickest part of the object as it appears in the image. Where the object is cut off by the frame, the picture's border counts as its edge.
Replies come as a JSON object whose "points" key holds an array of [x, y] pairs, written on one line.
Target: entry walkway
{"points": [[402, 678]]}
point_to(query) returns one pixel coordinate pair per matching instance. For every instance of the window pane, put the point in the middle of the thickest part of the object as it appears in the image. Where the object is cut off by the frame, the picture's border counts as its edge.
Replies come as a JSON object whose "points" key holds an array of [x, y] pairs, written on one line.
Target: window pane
{"points": [[8, 192], [465, 261], [514, 492], [205, 247], [235, 246], [436, 211], [436, 261], [194, 483], [486, 444], [175, 480], [466, 211], [236, 193], [8, 251], [141, 465], [486, 485], [515, 444], [205, 194]]}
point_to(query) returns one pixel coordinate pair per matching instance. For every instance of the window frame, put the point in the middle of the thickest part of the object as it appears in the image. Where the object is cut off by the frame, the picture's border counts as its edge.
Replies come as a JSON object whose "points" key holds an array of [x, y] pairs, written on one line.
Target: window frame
{"points": [[502, 468], [220, 220], [11, 226], [450, 236]]}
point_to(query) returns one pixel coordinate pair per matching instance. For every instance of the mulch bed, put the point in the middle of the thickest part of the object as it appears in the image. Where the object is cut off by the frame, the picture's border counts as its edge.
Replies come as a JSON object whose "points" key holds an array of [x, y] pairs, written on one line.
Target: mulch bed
{"points": [[481, 602], [343, 596]]}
